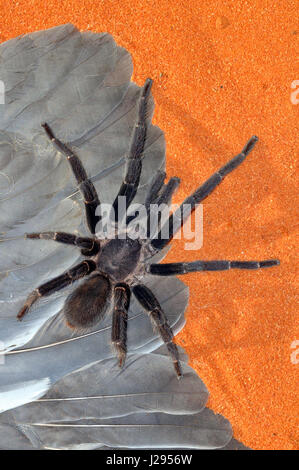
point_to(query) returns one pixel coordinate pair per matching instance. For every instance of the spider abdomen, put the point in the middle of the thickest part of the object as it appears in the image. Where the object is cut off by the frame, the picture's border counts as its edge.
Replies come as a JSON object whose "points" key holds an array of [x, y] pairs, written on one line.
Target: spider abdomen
{"points": [[88, 304], [119, 258]]}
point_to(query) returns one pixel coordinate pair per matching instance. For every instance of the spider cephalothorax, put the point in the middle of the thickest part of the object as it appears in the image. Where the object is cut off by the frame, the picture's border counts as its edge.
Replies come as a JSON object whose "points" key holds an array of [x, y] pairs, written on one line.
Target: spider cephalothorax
{"points": [[116, 266]]}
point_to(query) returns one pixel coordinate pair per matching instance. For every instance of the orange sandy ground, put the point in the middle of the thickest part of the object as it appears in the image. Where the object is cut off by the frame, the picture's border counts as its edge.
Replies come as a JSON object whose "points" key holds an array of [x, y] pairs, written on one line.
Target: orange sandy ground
{"points": [[223, 71]]}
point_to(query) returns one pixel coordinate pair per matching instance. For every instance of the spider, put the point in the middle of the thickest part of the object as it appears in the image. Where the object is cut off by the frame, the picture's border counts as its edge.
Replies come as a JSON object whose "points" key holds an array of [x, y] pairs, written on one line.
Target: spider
{"points": [[116, 266]]}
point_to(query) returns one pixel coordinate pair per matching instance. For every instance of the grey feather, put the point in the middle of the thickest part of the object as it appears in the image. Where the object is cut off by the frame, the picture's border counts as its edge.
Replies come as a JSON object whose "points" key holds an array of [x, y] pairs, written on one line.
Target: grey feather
{"points": [[141, 406], [53, 379]]}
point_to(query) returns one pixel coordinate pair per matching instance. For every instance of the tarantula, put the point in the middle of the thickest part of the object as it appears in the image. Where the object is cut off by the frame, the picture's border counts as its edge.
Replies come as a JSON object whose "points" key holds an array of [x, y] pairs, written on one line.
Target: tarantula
{"points": [[115, 266]]}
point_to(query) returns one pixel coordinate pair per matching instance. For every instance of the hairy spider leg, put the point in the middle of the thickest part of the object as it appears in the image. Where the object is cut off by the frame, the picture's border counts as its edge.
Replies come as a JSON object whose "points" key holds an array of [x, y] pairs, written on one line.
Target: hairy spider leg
{"points": [[131, 179], [77, 272], [162, 199], [170, 269], [86, 187], [154, 189], [159, 321], [122, 294], [166, 193], [159, 194], [89, 246], [199, 195]]}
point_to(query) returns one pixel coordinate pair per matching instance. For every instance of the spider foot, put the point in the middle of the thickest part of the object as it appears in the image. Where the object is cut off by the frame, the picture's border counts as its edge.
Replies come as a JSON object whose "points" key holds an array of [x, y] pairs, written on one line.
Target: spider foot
{"points": [[121, 353], [30, 300], [178, 369]]}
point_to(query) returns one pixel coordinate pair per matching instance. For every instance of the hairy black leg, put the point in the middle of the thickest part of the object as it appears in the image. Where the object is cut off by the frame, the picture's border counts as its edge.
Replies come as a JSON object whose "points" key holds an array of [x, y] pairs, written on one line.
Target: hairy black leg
{"points": [[80, 270], [149, 302], [168, 191], [134, 163], [160, 193], [200, 194], [155, 188], [89, 246], [164, 198], [122, 294], [169, 269], [86, 187], [157, 198], [152, 193]]}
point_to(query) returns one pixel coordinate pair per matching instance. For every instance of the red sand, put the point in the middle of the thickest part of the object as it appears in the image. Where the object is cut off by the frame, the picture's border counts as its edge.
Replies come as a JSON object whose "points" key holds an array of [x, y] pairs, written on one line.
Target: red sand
{"points": [[222, 71]]}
